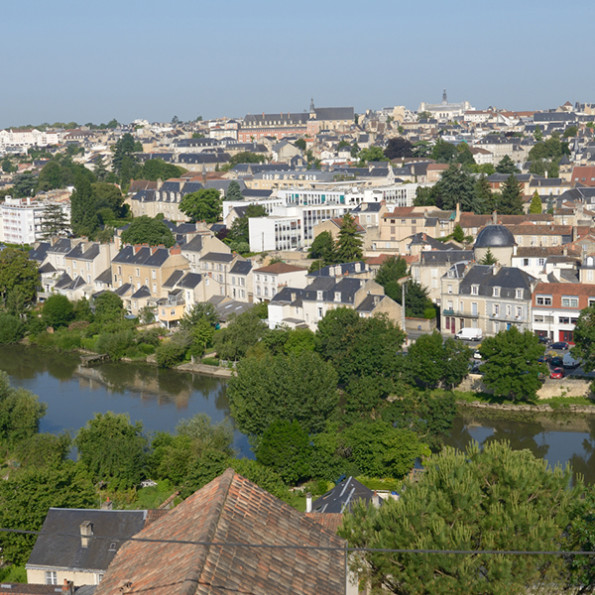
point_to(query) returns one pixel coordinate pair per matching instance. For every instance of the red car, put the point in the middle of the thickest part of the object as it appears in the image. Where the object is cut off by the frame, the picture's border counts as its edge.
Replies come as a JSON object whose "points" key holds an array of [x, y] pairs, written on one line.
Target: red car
{"points": [[557, 373]]}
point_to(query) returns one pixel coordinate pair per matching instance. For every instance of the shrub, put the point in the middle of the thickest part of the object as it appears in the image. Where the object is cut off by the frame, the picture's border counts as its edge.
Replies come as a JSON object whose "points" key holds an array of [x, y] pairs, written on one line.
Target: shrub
{"points": [[115, 344], [12, 329], [210, 361]]}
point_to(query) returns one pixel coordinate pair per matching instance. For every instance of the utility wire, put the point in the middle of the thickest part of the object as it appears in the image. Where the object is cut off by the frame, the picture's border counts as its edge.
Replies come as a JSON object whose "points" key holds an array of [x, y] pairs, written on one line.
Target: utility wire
{"points": [[119, 538]]}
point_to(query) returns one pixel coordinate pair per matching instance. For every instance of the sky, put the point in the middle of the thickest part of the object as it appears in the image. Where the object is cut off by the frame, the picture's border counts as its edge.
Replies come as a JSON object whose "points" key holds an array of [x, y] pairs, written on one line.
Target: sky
{"points": [[71, 60]]}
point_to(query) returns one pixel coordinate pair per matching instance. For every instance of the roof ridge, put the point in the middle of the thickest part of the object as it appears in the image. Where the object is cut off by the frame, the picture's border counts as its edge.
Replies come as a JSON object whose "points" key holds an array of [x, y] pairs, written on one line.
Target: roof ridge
{"points": [[225, 481]]}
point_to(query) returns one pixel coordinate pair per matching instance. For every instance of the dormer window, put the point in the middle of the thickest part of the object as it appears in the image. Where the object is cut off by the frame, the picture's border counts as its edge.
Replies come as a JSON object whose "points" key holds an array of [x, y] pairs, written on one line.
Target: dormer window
{"points": [[519, 293], [496, 292], [475, 290], [337, 296], [319, 296]]}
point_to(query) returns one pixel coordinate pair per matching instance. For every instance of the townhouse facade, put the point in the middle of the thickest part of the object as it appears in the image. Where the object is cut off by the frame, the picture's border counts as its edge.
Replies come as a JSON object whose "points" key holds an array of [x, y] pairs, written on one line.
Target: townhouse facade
{"points": [[268, 280]]}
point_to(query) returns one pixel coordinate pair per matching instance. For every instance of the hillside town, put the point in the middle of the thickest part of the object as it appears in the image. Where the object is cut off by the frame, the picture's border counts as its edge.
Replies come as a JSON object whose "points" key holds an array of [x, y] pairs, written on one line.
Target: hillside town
{"points": [[351, 279]]}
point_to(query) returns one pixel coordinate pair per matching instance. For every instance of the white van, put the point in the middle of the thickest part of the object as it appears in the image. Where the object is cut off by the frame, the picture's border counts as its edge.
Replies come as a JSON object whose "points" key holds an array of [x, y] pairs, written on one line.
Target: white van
{"points": [[469, 334]]}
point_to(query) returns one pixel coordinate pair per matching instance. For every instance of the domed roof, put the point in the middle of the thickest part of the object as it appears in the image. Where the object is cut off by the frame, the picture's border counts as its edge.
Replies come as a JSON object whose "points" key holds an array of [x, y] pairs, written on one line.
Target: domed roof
{"points": [[494, 236]]}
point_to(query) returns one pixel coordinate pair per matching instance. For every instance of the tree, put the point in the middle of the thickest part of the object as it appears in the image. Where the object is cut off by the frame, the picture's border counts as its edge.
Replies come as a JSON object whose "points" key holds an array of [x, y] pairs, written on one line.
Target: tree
{"points": [[570, 131], [535, 207], [398, 147], [300, 143], [300, 387], [443, 152], [113, 450], [416, 298], [458, 235], [581, 536], [146, 230], [391, 270], [584, 338], [506, 166], [26, 497], [124, 162], [95, 204], [323, 247], [109, 308], [202, 205], [157, 169], [55, 221], [12, 328], [456, 186], [493, 498], [371, 154], [285, 448], [233, 192], [24, 185], [511, 199], [246, 157], [242, 332], [432, 361], [511, 369], [7, 166], [57, 311], [18, 277], [349, 243], [20, 413], [484, 196], [488, 258]]}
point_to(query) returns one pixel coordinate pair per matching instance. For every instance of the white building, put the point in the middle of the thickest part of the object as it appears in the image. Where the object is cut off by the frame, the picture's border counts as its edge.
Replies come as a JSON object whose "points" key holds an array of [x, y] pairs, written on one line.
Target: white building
{"points": [[275, 233], [22, 220], [26, 138]]}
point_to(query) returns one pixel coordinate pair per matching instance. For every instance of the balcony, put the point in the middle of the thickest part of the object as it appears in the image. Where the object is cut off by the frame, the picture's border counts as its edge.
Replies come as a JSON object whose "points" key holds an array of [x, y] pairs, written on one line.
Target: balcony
{"points": [[459, 314]]}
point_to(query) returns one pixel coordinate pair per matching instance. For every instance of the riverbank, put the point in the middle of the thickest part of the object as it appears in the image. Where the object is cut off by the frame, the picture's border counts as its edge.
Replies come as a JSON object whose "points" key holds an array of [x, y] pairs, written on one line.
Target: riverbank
{"points": [[215, 371], [543, 408]]}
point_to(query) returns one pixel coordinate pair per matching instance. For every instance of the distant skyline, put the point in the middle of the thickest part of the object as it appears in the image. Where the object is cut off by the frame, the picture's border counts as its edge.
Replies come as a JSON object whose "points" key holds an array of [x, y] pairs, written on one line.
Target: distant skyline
{"points": [[91, 62]]}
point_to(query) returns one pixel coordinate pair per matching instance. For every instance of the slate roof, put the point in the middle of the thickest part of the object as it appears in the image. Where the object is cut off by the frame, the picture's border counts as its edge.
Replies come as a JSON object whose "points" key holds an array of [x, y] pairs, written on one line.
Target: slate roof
{"points": [[429, 257], [338, 270], [62, 246], [334, 113], [80, 253], [59, 542], [173, 279], [494, 236], [142, 292], [64, 281], [234, 510], [342, 497], [47, 268], [144, 257], [190, 281], [217, 257], [241, 267], [39, 254], [194, 245], [507, 278], [123, 289], [105, 277]]}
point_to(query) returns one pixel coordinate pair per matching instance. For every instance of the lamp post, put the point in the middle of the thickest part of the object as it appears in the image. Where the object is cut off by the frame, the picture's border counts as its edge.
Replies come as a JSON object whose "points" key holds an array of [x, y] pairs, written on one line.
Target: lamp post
{"points": [[403, 281]]}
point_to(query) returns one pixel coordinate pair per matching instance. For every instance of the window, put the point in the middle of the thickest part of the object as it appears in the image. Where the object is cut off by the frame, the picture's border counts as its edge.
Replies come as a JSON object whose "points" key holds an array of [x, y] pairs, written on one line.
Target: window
{"points": [[496, 309], [525, 262], [541, 262], [450, 289], [518, 293], [569, 301], [519, 312], [475, 290], [337, 296], [319, 296], [496, 292], [137, 272], [51, 577], [543, 300], [591, 302], [474, 308]]}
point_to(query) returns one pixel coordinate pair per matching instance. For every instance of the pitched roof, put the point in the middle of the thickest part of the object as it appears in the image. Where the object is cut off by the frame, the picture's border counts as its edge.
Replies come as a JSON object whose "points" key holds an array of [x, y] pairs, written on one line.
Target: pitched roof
{"points": [[59, 543], [278, 268], [343, 496], [231, 510]]}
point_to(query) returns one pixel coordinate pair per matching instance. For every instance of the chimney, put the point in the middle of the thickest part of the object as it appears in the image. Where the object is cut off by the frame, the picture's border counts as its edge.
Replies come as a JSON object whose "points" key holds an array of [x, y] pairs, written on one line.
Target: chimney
{"points": [[308, 502], [376, 500], [86, 528], [67, 587], [458, 212], [137, 248], [107, 505], [494, 217], [495, 268], [175, 250]]}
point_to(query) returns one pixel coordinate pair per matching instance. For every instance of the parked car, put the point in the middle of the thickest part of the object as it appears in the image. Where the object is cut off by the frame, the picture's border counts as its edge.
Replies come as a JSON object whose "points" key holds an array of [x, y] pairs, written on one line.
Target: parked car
{"points": [[469, 334], [544, 359], [543, 339], [557, 373], [570, 362], [559, 346], [476, 354], [556, 362]]}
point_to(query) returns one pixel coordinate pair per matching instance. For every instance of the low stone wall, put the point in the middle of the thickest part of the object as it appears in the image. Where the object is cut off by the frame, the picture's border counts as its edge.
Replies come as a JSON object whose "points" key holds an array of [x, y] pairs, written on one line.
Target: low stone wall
{"points": [[523, 407], [216, 371], [426, 325]]}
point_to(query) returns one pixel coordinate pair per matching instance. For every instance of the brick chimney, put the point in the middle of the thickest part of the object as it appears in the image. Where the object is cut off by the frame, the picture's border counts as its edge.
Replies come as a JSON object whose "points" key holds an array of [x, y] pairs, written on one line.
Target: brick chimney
{"points": [[137, 248], [86, 528], [67, 587], [175, 250]]}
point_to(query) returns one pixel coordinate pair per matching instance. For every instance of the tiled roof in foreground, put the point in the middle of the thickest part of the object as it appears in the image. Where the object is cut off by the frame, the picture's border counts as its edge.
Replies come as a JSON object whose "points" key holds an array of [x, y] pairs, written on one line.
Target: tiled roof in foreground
{"points": [[230, 509]]}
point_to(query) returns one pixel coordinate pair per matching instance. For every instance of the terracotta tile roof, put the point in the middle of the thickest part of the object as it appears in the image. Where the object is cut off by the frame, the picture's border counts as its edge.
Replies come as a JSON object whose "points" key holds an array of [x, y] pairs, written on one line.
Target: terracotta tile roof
{"points": [[329, 520], [25, 589], [230, 509], [279, 268], [540, 230]]}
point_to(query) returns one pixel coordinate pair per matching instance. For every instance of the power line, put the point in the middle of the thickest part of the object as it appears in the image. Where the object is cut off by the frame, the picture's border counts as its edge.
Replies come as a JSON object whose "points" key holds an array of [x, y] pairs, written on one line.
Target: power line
{"points": [[310, 547]]}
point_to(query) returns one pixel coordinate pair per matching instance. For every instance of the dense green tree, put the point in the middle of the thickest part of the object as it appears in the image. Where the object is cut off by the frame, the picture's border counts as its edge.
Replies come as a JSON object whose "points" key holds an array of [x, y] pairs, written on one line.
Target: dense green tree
{"points": [[398, 147], [349, 243], [535, 207], [50, 176], [300, 143], [485, 200], [233, 192], [443, 152], [201, 311], [7, 166], [172, 352], [300, 387], [511, 199], [581, 536], [42, 451], [359, 347], [24, 185], [552, 148], [456, 186], [506, 166], [493, 498], [26, 497], [584, 338], [416, 298], [57, 311], [20, 413], [157, 169], [18, 277], [285, 448], [202, 205], [12, 328], [147, 230], [242, 332], [371, 154], [323, 247], [124, 162], [570, 131], [391, 270], [109, 308], [94, 204], [432, 361], [458, 235], [113, 450], [511, 369]]}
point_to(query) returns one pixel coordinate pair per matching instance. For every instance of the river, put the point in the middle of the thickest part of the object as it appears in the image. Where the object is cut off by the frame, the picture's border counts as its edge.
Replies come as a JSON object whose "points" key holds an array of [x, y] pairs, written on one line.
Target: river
{"points": [[161, 398]]}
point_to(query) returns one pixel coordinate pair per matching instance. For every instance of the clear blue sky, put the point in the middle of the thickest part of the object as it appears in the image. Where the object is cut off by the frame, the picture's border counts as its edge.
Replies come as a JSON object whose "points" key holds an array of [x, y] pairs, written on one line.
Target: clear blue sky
{"points": [[91, 61]]}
